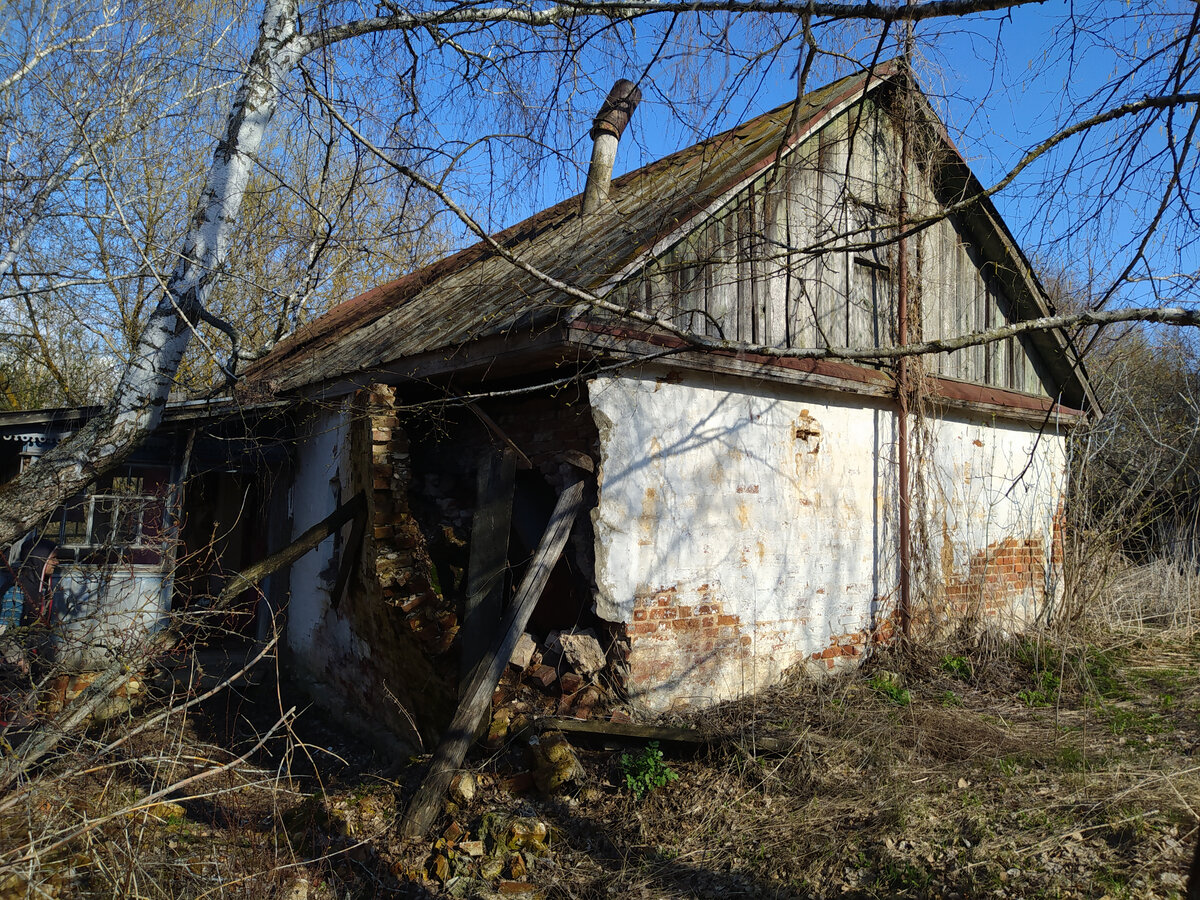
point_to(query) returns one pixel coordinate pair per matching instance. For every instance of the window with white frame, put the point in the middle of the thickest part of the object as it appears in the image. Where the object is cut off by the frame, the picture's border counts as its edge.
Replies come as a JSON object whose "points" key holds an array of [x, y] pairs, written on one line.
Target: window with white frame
{"points": [[124, 510]]}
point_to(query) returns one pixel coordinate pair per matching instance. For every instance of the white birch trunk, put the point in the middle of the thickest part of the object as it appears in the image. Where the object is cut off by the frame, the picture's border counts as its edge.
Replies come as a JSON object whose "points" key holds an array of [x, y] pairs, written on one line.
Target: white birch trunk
{"points": [[137, 407]]}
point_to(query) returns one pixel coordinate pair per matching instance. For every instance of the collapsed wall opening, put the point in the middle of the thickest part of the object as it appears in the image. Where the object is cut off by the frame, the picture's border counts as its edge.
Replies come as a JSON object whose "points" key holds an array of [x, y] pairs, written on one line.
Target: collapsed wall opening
{"points": [[430, 532]]}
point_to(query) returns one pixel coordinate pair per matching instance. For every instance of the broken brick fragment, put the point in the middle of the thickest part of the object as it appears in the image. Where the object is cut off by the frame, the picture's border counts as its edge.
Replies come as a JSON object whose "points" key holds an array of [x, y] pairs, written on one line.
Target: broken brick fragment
{"points": [[543, 675], [570, 682]]}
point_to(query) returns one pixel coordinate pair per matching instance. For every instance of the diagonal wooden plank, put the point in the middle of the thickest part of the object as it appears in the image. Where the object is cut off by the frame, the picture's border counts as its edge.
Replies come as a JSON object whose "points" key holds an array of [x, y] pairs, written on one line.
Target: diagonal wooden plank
{"points": [[450, 752]]}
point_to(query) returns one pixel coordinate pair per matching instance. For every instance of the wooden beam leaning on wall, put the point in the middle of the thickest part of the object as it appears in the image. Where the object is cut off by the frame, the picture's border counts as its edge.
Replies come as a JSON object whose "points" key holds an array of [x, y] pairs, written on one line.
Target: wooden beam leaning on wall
{"points": [[450, 752]]}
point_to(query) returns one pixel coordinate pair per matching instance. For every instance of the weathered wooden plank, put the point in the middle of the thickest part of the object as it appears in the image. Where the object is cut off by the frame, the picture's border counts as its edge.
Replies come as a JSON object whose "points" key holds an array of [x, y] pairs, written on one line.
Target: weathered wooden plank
{"points": [[668, 736], [860, 312], [998, 369], [351, 550], [929, 320], [979, 296], [690, 297], [722, 296], [775, 263], [453, 747], [799, 213], [834, 270], [659, 299], [965, 308], [745, 274], [490, 526], [948, 297]]}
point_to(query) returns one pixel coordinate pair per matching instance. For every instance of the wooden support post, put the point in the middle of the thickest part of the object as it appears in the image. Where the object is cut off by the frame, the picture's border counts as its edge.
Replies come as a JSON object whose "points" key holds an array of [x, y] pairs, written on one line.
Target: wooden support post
{"points": [[351, 550], [475, 699], [489, 553]]}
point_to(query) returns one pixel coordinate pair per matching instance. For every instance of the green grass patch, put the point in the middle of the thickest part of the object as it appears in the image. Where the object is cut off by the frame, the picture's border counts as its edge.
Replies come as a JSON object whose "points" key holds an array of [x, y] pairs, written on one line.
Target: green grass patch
{"points": [[646, 771], [888, 686], [957, 666], [1044, 693]]}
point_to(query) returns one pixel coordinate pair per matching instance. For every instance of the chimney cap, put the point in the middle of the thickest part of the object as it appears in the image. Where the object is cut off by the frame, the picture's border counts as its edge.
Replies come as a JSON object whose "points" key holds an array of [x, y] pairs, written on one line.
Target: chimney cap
{"points": [[618, 107]]}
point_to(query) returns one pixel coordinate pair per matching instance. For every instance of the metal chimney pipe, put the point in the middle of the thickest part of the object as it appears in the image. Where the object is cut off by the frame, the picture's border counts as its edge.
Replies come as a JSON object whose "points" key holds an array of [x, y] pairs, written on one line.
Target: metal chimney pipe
{"points": [[607, 128]]}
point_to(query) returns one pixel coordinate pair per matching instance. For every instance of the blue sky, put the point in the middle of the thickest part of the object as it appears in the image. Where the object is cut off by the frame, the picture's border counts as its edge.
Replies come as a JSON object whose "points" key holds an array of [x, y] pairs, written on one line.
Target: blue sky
{"points": [[1003, 81]]}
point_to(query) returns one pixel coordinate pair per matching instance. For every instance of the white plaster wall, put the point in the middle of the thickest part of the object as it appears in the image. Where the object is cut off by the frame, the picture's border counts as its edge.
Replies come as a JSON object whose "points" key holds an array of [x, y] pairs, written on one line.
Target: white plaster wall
{"points": [[738, 531], [316, 635], [988, 482]]}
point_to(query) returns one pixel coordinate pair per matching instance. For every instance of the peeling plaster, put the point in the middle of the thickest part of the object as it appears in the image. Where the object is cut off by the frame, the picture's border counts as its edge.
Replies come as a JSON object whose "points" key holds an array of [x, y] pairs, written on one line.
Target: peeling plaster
{"points": [[799, 478], [778, 508]]}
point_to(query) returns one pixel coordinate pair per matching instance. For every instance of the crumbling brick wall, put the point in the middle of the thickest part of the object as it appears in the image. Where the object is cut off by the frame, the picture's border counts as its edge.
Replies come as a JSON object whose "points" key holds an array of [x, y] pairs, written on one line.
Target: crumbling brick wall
{"points": [[424, 494], [998, 580], [400, 548]]}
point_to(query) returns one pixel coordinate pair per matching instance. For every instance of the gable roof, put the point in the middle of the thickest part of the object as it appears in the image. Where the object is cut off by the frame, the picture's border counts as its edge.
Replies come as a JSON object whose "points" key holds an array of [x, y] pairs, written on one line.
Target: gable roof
{"points": [[477, 293]]}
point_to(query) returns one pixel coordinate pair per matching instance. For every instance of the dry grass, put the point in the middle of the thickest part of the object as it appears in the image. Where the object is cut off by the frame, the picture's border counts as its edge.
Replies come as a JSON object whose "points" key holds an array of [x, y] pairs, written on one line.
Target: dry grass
{"points": [[1163, 595], [1057, 766], [972, 788]]}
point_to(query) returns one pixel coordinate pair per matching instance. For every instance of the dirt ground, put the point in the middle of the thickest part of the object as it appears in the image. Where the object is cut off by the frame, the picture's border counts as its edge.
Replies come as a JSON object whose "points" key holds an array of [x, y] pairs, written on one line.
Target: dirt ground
{"points": [[982, 768]]}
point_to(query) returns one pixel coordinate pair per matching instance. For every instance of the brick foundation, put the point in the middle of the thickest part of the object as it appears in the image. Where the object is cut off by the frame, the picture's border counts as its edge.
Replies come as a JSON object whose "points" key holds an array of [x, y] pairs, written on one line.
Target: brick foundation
{"points": [[673, 643]]}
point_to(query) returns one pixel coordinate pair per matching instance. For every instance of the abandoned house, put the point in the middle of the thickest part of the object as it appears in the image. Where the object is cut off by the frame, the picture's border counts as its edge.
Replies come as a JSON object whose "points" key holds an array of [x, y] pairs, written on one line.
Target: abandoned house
{"points": [[746, 511]]}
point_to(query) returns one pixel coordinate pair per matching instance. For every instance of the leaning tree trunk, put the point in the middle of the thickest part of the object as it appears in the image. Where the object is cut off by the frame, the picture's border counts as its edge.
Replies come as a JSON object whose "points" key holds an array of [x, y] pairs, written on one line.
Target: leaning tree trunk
{"points": [[137, 406]]}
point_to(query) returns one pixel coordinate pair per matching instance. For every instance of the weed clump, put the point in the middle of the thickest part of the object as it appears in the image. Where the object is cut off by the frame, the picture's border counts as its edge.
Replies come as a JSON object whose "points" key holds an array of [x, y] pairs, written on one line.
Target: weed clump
{"points": [[646, 771], [888, 686]]}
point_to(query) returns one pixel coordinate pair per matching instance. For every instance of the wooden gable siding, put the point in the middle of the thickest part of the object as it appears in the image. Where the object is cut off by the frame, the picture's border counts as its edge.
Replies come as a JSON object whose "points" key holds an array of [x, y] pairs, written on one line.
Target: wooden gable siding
{"points": [[773, 266]]}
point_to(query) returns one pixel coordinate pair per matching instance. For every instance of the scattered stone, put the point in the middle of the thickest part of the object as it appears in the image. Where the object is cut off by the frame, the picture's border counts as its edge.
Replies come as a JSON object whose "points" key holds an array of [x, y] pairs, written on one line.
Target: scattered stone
{"points": [[491, 868], [527, 834], [453, 832], [522, 654], [462, 786], [498, 730], [583, 651], [472, 848], [554, 762]]}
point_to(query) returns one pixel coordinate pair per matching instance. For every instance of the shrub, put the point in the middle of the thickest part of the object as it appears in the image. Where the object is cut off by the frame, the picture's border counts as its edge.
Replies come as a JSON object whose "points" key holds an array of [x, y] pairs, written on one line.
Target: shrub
{"points": [[888, 686]]}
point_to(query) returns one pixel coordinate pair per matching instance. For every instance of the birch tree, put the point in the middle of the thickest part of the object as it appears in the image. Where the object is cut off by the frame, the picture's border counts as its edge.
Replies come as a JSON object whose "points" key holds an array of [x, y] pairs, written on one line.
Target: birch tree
{"points": [[454, 57]]}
